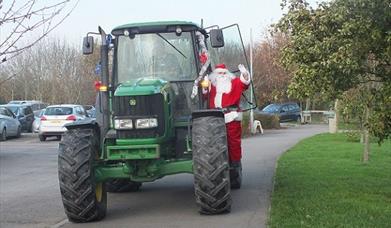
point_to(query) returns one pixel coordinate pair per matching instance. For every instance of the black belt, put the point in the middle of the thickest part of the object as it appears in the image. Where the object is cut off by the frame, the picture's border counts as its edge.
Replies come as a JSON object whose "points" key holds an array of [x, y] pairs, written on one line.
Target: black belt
{"points": [[229, 109]]}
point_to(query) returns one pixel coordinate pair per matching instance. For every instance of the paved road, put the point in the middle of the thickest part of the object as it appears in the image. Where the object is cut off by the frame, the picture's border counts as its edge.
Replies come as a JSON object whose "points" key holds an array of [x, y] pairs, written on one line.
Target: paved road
{"points": [[29, 192]]}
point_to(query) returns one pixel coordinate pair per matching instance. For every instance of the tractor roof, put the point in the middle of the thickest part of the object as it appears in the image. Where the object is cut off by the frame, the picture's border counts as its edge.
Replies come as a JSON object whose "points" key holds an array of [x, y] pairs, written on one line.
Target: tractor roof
{"points": [[158, 26]]}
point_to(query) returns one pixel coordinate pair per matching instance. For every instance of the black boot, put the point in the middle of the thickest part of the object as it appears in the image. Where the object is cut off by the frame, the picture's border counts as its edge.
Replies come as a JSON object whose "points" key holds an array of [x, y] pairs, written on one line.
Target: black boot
{"points": [[235, 173]]}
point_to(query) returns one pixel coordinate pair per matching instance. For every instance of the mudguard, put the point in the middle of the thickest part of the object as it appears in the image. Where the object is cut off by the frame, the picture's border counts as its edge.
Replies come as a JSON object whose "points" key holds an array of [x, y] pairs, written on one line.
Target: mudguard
{"points": [[207, 112], [86, 123]]}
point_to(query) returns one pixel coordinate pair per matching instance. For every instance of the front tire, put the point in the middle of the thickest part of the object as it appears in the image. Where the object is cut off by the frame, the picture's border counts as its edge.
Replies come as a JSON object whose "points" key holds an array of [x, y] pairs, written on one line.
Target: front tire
{"points": [[84, 200], [210, 165]]}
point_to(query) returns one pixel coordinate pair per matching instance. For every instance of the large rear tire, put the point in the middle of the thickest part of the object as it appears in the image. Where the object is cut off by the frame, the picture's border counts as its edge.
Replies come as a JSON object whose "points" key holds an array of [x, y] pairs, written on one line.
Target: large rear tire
{"points": [[84, 200], [122, 185], [211, 165]]}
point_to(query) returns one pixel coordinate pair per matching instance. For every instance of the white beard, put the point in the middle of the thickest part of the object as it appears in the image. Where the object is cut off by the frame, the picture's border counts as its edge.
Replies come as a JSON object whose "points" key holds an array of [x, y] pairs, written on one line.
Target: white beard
{"points": [[223, 85]]}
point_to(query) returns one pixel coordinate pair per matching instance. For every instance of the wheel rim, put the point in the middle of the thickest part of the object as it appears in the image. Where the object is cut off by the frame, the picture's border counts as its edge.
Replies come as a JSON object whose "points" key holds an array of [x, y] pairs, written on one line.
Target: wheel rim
{"points": [[99, 191]]}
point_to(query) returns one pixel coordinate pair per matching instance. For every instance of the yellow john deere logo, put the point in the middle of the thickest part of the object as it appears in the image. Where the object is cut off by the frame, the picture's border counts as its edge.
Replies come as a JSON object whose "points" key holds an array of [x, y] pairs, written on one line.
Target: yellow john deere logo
{"points": [[132, 102]]}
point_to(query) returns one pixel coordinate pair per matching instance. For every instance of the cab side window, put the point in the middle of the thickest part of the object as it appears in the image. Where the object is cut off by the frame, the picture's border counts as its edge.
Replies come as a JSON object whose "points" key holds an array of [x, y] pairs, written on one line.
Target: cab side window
{"points": [[285, 108]]}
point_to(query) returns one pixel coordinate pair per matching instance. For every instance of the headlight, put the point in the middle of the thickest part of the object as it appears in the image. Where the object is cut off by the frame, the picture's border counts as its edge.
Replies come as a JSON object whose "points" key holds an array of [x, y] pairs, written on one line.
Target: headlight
{"points": [[146, 123], [123, 124]]}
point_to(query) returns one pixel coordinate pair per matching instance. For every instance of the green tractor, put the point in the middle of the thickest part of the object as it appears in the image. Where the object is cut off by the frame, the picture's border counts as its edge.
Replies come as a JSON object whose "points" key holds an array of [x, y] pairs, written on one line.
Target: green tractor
{"points": [[151, 122]]}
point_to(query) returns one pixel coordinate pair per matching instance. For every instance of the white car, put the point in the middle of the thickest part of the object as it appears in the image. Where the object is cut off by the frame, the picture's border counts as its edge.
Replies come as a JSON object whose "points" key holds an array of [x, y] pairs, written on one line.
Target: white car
{"points": [[56, 116], [9, 124]]}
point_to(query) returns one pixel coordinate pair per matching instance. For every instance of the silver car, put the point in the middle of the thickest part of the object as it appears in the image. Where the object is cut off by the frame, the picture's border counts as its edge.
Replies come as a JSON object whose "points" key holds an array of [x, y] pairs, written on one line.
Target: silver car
{"points": [[9, 124], [56, 116], [37, 120]]}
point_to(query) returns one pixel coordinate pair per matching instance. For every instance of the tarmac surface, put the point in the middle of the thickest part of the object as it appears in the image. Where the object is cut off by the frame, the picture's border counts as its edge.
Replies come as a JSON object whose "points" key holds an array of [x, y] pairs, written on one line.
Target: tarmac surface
{"points": [[30, 196]]}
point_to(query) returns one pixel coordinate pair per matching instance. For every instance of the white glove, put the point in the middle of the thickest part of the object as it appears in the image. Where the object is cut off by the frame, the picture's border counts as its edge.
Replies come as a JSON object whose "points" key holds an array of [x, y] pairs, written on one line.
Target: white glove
{"points": [[245, 75], [242, 69]]}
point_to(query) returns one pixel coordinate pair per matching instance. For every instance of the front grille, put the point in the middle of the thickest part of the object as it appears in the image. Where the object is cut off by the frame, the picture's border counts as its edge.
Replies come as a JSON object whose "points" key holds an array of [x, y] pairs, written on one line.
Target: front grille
{"points": [[142, 107]]}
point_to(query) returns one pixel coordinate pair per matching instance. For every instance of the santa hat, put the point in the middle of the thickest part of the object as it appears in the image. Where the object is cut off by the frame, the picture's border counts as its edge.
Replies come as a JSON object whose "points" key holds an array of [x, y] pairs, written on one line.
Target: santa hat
{"points": [[220, 68]]}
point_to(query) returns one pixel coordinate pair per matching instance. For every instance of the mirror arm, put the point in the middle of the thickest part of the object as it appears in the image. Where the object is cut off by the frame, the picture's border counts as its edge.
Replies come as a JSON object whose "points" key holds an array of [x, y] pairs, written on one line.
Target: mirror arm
{"points": [[92, 33]]}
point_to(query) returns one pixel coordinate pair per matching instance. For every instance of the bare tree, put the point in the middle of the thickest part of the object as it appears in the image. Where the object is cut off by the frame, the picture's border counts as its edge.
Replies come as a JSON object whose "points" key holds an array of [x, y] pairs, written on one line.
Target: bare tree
{"points": [[20, 21], [52, 71], [270, 79]]}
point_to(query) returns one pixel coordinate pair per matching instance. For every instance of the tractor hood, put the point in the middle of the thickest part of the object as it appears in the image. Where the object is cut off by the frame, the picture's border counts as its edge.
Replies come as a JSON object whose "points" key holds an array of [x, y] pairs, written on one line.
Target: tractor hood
{"points": [[141, 86]]}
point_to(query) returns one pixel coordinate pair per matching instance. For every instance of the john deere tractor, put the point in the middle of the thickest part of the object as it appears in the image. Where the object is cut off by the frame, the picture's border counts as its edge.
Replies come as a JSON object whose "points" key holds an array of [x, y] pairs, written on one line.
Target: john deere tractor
{"points": [[152, 118]]}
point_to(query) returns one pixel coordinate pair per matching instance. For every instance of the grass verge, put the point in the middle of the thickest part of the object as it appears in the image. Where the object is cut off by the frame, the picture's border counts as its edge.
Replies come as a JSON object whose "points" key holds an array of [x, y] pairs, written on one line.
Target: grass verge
{"points": [[321, 182]]}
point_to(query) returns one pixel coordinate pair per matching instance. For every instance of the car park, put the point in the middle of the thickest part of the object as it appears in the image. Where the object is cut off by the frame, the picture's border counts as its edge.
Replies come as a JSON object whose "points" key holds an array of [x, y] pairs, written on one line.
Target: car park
{"points": [[55, 117], [285, 111], [24, 114], [9, 124]]}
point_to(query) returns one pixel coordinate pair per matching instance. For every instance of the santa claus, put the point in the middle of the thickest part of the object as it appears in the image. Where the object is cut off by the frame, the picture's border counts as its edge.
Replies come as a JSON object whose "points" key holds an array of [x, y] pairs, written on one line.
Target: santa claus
{"points": [[224, 93]]}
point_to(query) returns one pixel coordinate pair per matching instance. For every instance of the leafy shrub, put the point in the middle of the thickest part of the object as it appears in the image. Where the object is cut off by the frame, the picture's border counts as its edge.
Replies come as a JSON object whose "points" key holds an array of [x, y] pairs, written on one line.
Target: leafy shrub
{"points": [[268, 121]]}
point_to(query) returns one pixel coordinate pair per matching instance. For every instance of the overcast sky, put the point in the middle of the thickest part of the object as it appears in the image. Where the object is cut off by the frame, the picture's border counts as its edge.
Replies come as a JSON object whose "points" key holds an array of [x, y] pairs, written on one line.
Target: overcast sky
{"points": [[255, 14]]}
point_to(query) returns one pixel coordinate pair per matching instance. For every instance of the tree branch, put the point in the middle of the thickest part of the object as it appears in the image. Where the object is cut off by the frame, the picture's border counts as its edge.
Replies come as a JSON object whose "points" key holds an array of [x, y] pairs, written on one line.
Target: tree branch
{"points": [[16, 34]]}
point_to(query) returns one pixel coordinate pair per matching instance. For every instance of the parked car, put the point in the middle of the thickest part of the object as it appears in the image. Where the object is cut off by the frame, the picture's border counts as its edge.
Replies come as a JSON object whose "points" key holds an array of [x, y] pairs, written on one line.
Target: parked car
{"points": [[37, 120], [91, 112], [9, 124], [35, 105], [56, 116], [24, 113], [285, 111], [17, 102]]}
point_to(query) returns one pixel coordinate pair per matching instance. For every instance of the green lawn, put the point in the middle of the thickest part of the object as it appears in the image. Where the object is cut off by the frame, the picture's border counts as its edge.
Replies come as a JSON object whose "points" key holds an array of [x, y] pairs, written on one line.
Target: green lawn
{"points": [[321, 182]]}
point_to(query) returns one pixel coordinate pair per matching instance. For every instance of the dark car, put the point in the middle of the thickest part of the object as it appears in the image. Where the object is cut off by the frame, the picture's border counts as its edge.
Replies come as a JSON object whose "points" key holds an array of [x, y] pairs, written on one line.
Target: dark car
{"points": [[35, 105], [286, 111], [24, 113]]}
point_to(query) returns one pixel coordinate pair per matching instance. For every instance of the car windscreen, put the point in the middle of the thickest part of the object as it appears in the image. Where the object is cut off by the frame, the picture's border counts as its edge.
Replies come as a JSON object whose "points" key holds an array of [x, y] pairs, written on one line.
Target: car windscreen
{"points": [[58, 111], [271, 108]]}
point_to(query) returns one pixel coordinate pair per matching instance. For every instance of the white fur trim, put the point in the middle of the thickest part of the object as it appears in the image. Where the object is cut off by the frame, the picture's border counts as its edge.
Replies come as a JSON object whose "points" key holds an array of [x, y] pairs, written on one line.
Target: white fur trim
{"points": [[243, 80], [233, 115], [220, 70]]}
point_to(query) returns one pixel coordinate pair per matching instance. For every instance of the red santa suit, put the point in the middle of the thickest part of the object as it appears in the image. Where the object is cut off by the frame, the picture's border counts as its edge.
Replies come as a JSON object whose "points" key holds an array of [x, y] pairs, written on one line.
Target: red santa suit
{"points": [[225, 92]]}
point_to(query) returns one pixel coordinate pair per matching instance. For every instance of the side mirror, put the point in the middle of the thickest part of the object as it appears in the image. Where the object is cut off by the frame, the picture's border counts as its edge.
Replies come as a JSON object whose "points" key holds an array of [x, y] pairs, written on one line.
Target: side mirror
{"points": [[216, 38], [88, 45]]}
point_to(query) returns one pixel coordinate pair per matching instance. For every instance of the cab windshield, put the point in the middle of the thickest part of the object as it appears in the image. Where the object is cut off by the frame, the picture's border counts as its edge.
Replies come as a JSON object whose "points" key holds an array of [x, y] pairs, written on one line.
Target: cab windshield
{"points": [[159, 55]]}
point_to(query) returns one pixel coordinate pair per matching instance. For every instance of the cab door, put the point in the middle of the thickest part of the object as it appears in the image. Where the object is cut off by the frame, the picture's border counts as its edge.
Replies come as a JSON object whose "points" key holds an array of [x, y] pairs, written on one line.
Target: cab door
{"points": [[232, 54]]}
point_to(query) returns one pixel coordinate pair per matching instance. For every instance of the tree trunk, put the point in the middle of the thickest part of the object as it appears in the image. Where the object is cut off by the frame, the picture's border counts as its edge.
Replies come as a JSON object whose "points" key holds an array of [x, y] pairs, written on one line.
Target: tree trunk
{"points": [[336, 109], [366, 136]]}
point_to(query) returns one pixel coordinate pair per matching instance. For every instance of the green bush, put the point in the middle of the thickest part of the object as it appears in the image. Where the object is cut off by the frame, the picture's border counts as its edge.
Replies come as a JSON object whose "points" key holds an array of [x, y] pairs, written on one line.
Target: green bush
{"points": [[353, 136], [268, 121]]}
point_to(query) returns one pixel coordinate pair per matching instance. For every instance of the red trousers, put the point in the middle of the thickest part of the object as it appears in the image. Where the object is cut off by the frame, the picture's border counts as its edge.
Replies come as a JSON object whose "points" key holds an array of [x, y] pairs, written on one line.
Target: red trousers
{"points": [[234, 133]]}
